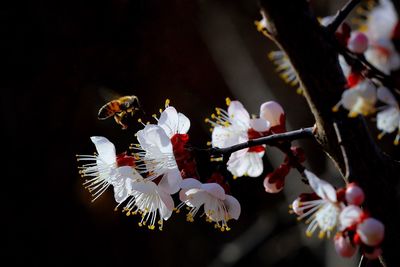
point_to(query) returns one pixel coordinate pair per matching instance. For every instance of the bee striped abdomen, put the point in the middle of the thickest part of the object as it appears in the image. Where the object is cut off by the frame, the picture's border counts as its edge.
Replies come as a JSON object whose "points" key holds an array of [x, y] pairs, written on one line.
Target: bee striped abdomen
{"points": [[109, 109]]}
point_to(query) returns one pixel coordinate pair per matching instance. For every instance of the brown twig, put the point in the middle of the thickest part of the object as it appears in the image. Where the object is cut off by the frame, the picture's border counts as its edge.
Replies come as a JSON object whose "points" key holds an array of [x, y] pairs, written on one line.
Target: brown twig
{"points": [[342, 14], [267, 140], [344, 153]]}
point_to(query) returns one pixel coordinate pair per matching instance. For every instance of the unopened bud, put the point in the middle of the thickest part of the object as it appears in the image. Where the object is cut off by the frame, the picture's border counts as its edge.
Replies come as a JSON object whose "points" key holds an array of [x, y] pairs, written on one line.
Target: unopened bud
{"points": [[272, 111], [358, 42], [371, 231], [343, 246], [272, 188], [354, 194]]}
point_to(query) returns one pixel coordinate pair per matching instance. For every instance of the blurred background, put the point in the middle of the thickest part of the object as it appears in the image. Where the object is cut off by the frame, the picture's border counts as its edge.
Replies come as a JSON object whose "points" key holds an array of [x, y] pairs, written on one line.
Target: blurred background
{"points": [[65, 59]]}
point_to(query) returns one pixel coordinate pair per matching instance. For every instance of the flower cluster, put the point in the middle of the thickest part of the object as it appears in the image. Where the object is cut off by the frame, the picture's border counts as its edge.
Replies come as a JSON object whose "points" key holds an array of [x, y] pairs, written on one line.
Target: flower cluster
{"points": [[373, 41], [163, 164], [331, 210], [234, 125], [160, 167]]}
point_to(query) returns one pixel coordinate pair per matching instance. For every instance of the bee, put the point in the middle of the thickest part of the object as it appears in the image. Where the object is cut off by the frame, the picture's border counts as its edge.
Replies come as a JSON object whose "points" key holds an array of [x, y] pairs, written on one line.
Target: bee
{"points": [[119, 108]]}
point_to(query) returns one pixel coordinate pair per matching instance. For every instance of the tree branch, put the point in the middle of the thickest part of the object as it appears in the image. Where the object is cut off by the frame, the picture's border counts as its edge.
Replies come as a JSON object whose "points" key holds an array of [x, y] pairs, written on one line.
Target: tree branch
{"points": [[341, 15], [273, 139], [295, 29]]}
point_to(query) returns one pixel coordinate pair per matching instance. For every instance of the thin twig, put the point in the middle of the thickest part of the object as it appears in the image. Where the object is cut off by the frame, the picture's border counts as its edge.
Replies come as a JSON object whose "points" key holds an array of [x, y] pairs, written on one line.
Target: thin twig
{"points": [[342, 14], [344, 153], [267, 140], [382, 261], [362, 261]]}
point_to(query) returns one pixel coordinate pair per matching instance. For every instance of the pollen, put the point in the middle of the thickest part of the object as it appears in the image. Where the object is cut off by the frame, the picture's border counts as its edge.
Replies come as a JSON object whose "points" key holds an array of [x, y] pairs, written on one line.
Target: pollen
{"points": [[167, 102], [228, 101]]}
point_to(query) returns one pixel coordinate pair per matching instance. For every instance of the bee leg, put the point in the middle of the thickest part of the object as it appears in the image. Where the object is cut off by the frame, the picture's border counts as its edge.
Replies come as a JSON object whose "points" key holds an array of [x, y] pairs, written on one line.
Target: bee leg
{"points": [[118, 119], [131, 111]]}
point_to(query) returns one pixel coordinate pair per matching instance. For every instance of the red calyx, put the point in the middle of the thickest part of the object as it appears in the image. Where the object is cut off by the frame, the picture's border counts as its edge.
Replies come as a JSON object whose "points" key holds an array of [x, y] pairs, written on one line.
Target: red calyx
{"points": [[278, 176], [341, 194], [179, 141], [124, 160], [353, 79], [343, 33], [184, 158], [281, 127]]}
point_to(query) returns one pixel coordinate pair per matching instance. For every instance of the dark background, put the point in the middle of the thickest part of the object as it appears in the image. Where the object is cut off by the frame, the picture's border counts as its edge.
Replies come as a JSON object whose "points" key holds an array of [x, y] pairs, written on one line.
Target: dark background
{"points": [[65, 59]]}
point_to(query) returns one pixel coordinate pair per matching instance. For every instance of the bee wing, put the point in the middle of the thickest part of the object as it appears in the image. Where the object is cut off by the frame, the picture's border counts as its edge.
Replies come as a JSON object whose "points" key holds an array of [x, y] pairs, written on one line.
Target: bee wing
{"points": [[108, 94]]}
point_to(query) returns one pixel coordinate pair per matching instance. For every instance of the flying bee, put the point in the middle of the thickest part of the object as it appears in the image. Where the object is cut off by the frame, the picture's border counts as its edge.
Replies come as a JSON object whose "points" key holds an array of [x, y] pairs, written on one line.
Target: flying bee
{"points": [[119, 108]]}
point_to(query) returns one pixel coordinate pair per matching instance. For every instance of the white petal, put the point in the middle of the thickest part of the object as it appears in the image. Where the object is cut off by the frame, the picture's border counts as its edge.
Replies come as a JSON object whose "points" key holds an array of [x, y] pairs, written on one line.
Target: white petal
{"points": [[184, 123], [154, 140], [127, 172], [386, 96], [169, 121], [120, 193], [227, 136], [323, 189], [166, 199], [167, 205], [189, 183], [349, 98], [381, 20], [368, 91], [233, 207], [271, 111], [260, 125], [105, 149], [256, 165], [214, 189], [164, 212], [144, 187], [388, 119], [238, 163], [170, 183], [349, 216], [238, 113], [197, 197]]}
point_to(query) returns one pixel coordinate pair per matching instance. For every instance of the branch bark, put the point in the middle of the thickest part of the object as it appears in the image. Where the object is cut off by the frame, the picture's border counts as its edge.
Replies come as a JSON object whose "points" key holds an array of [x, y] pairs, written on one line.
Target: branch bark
{"points": [[267, 140], [296, 30]]}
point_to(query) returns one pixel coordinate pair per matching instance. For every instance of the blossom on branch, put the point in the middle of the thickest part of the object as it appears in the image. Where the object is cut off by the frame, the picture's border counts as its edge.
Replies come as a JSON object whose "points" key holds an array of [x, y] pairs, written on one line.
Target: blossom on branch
{"points": [[150, 200], [155, 158], [321, 209], [103, 171], [235, 126], [219, 207], [388, 119], [380, 28], [359, 100]]}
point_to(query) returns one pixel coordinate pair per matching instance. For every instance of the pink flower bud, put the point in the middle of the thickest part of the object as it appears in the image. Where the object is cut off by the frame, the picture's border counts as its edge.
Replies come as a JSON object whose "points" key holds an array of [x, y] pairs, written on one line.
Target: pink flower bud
{"points": [[354, 195], [350, 216], [371, 231], [296, 207], [358, 42], [374, 254], [272, 188], [343, 246], [271, 111]]}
